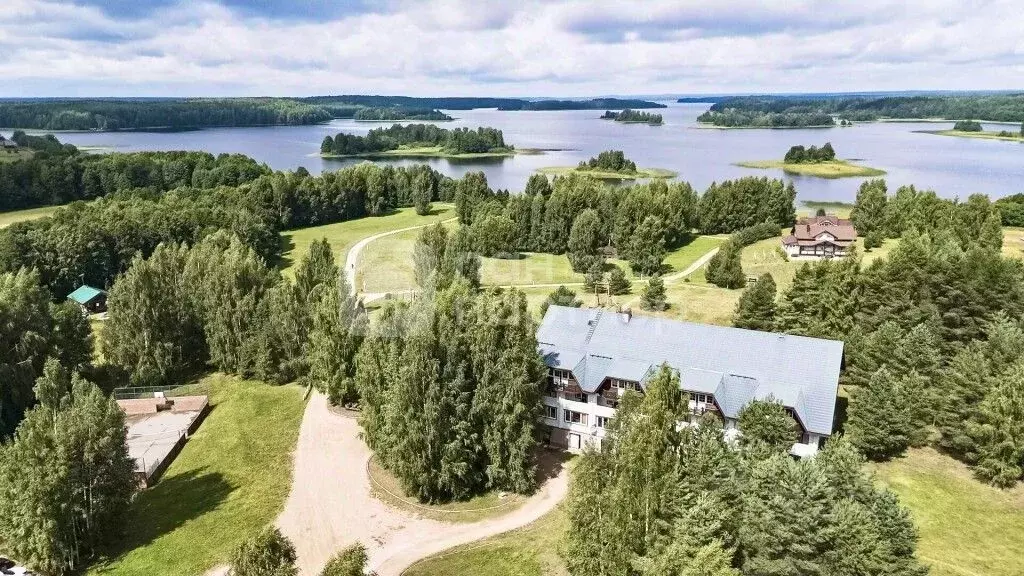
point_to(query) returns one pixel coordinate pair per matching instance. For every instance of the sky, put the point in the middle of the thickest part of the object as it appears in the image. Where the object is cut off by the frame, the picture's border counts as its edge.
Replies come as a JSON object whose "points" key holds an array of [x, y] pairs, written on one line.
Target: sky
{"points": [[569, 48]]}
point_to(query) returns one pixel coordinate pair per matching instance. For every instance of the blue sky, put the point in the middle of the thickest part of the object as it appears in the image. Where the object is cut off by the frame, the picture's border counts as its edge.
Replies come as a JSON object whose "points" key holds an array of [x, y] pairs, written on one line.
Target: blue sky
{"points": [[492, 47]]}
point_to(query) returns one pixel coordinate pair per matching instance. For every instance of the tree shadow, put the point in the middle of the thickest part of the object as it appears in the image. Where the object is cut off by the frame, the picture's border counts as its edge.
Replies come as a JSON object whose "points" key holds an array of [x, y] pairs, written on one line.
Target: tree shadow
{"points": [[168, 505], [550, 462], [285, 259]]}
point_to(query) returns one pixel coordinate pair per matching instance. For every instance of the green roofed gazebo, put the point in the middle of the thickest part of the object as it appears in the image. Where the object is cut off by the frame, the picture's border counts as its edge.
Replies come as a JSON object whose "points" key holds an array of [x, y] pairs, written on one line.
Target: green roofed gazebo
{"points": [[92, 300]]}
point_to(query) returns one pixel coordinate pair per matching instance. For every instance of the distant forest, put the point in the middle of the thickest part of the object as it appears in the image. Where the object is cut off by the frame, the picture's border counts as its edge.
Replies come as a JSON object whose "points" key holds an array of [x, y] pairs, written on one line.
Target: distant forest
{"points": [[635, 116], [183, 114], [456, 141], [790, 111]]}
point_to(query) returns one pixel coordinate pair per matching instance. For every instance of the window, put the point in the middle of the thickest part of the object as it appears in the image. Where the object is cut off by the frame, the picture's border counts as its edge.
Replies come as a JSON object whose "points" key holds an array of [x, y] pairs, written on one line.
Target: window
{"points": [[550, 412], [702, 398], [624, 384], [558, 377], [576, 397], [574, 417], [602, 421]]}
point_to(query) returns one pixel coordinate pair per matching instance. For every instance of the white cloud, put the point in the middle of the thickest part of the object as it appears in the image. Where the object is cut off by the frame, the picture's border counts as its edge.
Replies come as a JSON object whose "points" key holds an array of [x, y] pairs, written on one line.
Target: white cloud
{"points": [[460, 47]]}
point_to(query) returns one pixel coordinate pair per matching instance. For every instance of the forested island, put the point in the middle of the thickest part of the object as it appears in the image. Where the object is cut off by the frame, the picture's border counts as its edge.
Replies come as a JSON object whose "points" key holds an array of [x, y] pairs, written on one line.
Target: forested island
{"points": [[801, 111], [973, 129], [395, 113], [629, 116], [814, 161], [610, 165], [418, 140], [109, 114]]}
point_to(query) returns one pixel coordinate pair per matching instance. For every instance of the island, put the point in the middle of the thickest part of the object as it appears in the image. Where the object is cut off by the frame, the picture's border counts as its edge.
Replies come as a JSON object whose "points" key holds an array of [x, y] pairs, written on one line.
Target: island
{"points": [[398, 113], [973, 129], [609, 165], [419, 140], [814, 161], [630, 116]]}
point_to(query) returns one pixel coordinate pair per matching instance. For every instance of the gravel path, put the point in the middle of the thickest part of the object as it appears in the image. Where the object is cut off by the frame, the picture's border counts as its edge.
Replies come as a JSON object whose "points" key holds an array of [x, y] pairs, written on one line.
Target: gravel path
{"points": [[330, 505]]}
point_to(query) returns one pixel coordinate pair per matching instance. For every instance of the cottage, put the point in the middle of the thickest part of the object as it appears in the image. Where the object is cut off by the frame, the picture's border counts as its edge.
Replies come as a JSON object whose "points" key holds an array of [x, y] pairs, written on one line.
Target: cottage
{"points": [[92, 300], [822, 236], [593, 356]]}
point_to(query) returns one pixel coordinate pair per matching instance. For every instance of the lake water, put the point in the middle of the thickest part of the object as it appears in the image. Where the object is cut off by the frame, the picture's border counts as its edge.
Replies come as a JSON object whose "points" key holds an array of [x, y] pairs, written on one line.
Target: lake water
{"points": [[950, 166]]}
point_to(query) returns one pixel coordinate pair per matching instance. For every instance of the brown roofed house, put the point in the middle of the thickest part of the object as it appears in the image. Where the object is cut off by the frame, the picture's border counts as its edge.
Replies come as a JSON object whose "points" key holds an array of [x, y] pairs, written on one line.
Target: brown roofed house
{"points": [[822, 236]]}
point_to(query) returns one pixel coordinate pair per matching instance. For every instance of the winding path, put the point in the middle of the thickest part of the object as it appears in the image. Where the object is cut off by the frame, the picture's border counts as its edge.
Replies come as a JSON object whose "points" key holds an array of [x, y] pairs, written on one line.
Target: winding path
{"points": [[331, 505], [352, 258]]}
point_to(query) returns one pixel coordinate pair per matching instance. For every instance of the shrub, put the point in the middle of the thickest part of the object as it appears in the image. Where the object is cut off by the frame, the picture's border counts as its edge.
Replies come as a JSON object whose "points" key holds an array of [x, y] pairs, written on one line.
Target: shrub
{"points": [[268, 553]]}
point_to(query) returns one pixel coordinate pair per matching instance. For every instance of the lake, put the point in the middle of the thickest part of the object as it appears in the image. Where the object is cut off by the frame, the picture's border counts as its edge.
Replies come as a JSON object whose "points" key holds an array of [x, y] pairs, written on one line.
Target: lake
{"points": [[950, 166]]}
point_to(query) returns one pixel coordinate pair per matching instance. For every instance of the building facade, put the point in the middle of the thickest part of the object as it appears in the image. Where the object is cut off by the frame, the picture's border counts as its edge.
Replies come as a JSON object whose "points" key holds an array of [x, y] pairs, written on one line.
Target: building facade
{"points": [[595, 356], [821, 236]]}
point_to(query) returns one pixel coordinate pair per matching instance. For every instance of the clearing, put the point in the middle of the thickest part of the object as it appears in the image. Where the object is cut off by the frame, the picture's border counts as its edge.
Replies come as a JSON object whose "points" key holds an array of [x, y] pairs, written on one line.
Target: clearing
{"points": [[229, 480], [343, 235], [529, 551], [331, 504], [967, 528], [8, 218], [828, 169], [641, 173]]}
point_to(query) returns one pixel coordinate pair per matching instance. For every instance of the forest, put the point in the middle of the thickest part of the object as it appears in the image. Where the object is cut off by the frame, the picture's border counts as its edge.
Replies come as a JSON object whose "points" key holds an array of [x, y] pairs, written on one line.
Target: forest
{"points": [[469, 103], [453, 141], [967, 126], [633, 116], [156, 113], [768, 111], [395, 113]]}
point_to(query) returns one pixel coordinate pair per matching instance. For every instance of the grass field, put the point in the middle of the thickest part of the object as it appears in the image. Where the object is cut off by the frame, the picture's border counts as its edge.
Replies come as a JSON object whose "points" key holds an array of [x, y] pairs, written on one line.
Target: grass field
{"points": [[343, 235], [540, 268], [810, 207], [532, 550], [386, 264], [8, 218], [967, 528], [767, 256], [231, 479], [1013, 242], [829, 169], [388, 489], [984, 135], [19, 154], [608, 174]]}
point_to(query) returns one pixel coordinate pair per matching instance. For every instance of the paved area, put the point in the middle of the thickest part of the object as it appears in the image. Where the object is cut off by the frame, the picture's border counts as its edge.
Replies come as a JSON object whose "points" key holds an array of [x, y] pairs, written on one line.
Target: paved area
{"points": [[154, 435], [331, 506]]}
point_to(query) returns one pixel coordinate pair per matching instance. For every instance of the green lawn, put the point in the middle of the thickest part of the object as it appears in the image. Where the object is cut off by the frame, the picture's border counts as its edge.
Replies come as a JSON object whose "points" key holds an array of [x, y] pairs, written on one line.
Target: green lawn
{"points": [[386, 264], [231, 479], [530, 551], [8, 218], [540, 268], [343, 235], [767, 256], [19, 154], [967, 528]]}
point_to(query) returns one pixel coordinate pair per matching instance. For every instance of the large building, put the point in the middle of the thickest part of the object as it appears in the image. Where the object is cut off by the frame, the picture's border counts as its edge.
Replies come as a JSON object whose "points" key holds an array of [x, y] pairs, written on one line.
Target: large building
{"points": [[822, 236], [593, 356]]}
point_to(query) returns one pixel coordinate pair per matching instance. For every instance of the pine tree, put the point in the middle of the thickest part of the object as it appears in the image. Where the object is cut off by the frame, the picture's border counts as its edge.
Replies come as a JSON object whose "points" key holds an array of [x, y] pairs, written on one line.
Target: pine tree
{"points": [[562, 296], [766, 424], [617, 282], [593, 280], [725, 269], [267, 553], [991, 234], [966, 379], [756, 307], [997, 428], [585, 241], [653, 297], [881, 418]]}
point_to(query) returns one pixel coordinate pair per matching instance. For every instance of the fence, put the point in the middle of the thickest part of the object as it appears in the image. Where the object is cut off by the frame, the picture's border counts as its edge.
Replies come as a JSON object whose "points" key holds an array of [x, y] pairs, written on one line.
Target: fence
{"points": [[137, 392]]}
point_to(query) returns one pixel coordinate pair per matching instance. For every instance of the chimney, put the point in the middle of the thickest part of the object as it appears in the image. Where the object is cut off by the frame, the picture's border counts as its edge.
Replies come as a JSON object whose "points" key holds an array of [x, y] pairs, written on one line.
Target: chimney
{"points": [[626, 314]]}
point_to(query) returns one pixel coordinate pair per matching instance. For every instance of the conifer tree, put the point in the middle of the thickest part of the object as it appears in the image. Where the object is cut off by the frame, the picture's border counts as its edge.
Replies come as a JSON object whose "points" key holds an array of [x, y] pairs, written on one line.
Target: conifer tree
{"points": [[617, 282], [756, 307], [881, 418], [585, 241], [594, 539], [647, 247], [725, 269], [997, 428], [653, 296], [765, 424], [991, 233], [561, 296], [338, 327], [593, 280]]}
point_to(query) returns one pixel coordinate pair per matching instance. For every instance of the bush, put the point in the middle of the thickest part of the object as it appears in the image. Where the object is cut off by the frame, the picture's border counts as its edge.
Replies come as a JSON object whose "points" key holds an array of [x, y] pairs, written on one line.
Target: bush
{"points": [[617, 282], [268, 553], [750, 234], [349, 562], [872, 240]]}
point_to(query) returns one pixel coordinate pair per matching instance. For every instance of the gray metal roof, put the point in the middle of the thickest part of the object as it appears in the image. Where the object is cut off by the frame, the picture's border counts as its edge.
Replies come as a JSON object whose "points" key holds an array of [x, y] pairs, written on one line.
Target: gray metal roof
{"points": [[735, 365]]}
